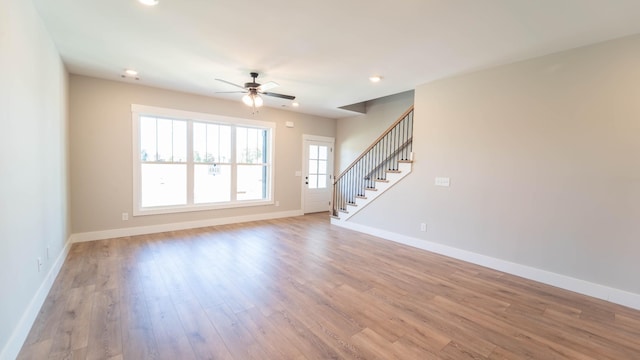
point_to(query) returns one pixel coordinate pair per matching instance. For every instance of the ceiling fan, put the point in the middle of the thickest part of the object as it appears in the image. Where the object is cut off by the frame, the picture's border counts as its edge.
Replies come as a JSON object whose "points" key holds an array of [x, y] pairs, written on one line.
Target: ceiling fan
{"points": [[254, 90]]}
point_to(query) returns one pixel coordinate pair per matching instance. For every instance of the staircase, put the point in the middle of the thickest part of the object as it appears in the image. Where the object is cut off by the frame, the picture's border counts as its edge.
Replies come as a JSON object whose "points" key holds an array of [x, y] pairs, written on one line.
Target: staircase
{"points": [[387, 161]]}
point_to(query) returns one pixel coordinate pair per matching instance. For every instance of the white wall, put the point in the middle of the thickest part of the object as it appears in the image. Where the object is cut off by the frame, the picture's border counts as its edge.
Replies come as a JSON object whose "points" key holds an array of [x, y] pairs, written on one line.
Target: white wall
{"points": [[101, 154], [544, 161], [354, 134], [33, 181]]}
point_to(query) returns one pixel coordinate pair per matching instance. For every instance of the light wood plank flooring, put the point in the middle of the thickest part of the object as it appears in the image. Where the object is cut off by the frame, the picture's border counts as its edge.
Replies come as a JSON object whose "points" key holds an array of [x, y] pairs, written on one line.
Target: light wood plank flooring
{"points": [[299, 288]]}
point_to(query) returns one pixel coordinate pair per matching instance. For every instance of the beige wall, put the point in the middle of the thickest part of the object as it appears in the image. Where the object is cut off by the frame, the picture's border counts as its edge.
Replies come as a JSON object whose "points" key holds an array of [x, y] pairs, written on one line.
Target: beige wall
{"points": [[354, 134], [544, 161], [101, 152], [33, 180]]}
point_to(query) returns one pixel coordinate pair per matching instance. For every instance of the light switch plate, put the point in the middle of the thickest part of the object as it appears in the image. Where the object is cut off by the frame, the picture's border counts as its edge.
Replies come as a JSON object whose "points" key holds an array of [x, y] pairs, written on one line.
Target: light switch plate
{"points": [[442, 181]]}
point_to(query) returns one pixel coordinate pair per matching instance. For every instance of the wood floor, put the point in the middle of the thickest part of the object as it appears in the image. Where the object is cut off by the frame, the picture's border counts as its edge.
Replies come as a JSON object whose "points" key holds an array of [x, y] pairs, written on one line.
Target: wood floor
{"points": [[299, 288]]}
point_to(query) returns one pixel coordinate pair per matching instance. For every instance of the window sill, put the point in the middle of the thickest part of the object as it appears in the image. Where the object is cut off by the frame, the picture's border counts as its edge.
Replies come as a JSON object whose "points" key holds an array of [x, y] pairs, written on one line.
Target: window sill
{"points": [[205, 207]]}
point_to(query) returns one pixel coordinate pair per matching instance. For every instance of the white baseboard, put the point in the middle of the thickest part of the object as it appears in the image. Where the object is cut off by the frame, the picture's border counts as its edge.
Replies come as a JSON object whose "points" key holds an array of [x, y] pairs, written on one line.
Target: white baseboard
{"points": [[20, 333], [613, 295], [142, 230]]}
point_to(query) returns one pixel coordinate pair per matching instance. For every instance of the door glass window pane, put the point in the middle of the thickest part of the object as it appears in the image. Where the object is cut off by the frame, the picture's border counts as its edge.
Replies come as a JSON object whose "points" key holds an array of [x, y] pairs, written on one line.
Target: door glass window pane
{"points": [[322, 152], [322, 166], [313, 166], [252, 182], [212, 183], [163, 184], [313, 151]]}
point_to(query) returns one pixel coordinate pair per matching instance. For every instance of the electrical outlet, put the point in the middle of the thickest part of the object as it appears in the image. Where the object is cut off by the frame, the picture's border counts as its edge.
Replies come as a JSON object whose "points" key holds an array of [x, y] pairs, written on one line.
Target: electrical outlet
{"points": [[423, 227], [39, 264], [277, 203], [125, 216]]}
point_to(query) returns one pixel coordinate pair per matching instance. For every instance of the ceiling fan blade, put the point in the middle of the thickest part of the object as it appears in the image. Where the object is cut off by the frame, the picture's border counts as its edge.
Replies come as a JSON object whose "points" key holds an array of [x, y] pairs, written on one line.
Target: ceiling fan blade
{"points": [[230, 83], [231, 92], [267, 86], [288, 97]]}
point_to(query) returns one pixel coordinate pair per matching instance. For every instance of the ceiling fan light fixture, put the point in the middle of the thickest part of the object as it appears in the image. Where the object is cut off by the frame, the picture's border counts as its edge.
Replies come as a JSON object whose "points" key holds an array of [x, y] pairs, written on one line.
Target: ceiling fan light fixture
{"points": [[252, 99], [257, 99]]}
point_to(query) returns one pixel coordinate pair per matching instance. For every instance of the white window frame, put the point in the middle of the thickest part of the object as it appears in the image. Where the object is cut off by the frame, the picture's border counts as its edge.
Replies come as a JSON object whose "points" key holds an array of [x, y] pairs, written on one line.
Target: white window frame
{"points": [[144, 110]]}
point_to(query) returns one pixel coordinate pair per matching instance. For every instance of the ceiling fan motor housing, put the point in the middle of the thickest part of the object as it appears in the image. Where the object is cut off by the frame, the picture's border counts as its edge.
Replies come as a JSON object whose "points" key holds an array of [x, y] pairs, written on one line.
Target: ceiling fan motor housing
{"points": [[252, 84]]}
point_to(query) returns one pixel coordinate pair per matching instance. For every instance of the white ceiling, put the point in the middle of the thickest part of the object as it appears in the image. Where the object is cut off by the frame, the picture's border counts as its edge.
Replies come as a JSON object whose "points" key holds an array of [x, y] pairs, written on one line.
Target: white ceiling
{"points": [[321, 51]]}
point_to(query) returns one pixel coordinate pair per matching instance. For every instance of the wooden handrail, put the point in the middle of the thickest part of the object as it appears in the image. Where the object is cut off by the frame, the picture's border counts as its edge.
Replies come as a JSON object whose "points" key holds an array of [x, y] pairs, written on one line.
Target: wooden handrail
{"points": [[374, 143]]}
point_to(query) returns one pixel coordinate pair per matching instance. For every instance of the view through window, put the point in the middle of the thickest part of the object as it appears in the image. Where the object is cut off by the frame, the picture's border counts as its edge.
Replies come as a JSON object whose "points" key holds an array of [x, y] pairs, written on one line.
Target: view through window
{"points": [[199, 161]]}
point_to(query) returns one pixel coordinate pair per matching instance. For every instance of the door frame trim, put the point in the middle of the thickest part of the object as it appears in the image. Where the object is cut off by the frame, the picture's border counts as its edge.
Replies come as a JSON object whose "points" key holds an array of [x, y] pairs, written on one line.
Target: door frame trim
{"points": [[309, 137]]}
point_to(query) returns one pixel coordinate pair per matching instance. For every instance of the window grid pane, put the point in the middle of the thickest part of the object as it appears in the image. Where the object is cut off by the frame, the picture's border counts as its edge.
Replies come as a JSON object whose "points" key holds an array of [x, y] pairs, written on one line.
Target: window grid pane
{"points": [[212, 183], [179, 141], [163, 184], [199, 142], [252, 182], [148, 149], [211, 143], [251, 146], [163, 140]]}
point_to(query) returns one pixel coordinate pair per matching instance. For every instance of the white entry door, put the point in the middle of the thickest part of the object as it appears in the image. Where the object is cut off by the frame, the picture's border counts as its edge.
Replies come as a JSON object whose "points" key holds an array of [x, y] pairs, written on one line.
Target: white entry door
{"points": [[318, 173]]}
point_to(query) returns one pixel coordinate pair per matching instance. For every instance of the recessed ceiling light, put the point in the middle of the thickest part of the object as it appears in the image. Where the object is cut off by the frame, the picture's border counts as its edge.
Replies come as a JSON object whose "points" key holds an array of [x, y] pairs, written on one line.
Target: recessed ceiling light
{"points": [[295, 104], [130, 74], [375, 78], [149, 2]]}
